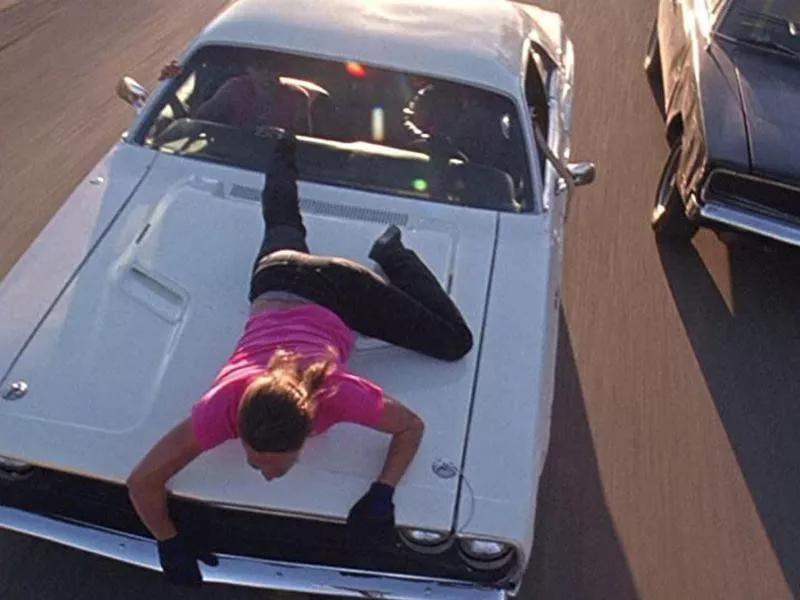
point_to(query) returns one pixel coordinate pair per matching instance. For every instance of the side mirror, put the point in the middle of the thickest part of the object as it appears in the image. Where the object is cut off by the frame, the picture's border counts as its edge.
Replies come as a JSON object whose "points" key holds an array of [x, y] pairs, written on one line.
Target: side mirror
{"points": [[132, 92], [569, 176], [582, 173]]}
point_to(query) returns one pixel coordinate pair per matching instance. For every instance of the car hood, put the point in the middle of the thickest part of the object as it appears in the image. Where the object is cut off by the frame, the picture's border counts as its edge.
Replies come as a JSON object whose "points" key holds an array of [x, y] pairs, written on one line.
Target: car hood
{"points": [[770, 89], [153, 312]]}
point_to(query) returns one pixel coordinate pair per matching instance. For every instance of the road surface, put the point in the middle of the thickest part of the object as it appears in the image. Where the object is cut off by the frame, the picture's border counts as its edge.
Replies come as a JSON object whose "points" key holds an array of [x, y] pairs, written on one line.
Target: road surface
{"points": [[672, 472]]}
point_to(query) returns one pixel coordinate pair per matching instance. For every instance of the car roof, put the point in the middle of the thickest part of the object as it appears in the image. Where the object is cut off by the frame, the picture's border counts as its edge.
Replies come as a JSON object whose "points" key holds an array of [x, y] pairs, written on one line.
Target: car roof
{"points": [[473, 41]]}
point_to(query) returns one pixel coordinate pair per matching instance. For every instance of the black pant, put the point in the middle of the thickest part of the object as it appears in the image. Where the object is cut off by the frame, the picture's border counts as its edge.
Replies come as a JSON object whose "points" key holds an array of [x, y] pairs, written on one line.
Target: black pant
{"points": [[411, 311]]}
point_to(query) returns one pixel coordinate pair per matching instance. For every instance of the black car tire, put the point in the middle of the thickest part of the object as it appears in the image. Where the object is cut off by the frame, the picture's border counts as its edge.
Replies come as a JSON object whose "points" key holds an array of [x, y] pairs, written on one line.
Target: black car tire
{"points": [[652, 68], [668, 219]]}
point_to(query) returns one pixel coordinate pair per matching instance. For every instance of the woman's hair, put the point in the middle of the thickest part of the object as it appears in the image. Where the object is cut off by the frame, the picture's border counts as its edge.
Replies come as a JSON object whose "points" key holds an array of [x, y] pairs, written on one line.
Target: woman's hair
{"points": [[278, 407]]}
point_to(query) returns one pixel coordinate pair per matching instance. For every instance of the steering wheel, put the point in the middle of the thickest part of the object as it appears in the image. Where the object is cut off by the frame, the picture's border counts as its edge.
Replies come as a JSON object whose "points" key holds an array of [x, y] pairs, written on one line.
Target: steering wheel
{"points": [[441, 149], [179, 111]]}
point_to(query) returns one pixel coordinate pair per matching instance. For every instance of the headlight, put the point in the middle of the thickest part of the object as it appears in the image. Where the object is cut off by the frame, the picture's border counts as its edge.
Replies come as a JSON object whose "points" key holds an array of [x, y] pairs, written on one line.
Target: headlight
{"points": [[426, 542], [485, 555], [13, 469]]}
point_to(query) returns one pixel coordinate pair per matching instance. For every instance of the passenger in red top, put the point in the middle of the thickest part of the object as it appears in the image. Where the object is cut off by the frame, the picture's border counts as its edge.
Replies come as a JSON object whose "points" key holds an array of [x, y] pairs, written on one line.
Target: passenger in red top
{"points": [[286, 379], [255, 99]]}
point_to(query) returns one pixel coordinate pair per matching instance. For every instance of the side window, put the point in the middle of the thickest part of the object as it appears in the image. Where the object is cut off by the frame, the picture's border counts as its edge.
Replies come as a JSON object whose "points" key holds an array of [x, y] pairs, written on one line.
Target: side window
{"points": [[536, 95]]}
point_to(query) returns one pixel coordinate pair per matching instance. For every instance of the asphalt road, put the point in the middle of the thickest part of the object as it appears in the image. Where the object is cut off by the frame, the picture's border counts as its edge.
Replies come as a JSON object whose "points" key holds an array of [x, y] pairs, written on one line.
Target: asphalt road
{"points": [[672, 472]]}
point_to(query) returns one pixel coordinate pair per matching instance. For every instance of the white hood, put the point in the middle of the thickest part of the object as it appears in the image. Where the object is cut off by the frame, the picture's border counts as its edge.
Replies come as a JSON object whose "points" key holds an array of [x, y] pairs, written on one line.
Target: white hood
{"points": [[155, 310]]}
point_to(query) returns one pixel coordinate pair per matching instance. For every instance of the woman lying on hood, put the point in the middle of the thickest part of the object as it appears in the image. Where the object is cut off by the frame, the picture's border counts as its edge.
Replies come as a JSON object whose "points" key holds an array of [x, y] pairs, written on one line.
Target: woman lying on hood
{"points": [[287, 378]]}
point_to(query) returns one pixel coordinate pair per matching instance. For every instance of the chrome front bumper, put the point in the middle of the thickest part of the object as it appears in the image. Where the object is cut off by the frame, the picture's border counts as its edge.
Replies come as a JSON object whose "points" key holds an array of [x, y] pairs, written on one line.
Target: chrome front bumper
{"points": [[246, 572], [750, 222]]}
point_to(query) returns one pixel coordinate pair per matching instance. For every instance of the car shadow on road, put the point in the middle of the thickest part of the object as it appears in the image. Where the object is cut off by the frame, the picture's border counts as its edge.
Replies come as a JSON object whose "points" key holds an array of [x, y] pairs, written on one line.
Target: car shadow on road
{"points": [[749, 354], [576, 553]]}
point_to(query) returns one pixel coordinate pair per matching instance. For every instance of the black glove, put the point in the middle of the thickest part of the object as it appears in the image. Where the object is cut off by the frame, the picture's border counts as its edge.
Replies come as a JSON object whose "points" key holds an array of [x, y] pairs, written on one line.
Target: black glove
{"points": [[179, 561], [372, 517]]}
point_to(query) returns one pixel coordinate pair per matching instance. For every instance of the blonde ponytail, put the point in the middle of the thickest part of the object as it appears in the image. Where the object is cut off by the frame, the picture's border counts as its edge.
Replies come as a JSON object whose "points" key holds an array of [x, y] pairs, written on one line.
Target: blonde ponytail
{"points": [[278, 408]]}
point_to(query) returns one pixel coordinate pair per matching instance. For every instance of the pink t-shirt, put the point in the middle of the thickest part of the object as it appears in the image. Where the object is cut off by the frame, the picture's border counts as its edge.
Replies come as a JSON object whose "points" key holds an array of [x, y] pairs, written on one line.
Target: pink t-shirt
{"points": [[310, 330]]}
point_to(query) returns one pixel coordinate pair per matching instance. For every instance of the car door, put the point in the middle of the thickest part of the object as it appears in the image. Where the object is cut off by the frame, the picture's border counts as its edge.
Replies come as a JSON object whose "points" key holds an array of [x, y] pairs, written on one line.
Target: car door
{"points": [[548, 92]]}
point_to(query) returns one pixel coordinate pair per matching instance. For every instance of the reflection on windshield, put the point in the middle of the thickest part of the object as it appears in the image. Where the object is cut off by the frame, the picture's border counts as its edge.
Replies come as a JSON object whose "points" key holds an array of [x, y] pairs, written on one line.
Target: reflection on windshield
{"points": [[347, 114], [774, 24]]}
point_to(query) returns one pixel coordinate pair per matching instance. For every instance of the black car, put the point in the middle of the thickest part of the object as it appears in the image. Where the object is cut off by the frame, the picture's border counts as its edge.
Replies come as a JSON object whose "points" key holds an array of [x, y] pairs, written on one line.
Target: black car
{"points": [[726, 77]]}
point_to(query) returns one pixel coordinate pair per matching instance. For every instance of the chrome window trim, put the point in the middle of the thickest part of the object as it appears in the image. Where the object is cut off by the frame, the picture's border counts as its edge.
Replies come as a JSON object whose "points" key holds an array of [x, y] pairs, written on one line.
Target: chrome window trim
{"points": [[717, 14], [548, 148], [532, 147], [246, 572], [553, 137], [720, 17]]}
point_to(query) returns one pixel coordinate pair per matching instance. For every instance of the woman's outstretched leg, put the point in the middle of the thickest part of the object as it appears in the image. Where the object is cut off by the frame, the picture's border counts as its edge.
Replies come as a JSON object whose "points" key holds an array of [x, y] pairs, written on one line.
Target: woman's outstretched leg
{"points": [[280, 205], [407, 271], [411, 310]]}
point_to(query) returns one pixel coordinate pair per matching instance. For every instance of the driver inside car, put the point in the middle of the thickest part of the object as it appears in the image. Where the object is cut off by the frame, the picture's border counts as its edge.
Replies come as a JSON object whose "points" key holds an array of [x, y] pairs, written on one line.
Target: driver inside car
{"points": [[442, 110], [474, 126]]}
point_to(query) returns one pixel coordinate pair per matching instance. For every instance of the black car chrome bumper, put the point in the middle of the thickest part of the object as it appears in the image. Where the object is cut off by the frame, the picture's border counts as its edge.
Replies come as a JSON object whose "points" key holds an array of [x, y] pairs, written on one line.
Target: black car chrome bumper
{"points": [[749, 203], [245, 571], [751, 222]]}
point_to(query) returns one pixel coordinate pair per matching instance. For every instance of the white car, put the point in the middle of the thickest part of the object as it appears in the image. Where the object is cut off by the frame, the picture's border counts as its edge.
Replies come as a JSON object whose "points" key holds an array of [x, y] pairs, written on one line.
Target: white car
{"points": [[448, 118]]}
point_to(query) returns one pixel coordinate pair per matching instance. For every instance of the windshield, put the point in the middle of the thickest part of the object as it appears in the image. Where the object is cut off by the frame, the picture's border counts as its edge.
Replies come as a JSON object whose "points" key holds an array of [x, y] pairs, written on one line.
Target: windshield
{"points": [[774, 23], [357, 126]]}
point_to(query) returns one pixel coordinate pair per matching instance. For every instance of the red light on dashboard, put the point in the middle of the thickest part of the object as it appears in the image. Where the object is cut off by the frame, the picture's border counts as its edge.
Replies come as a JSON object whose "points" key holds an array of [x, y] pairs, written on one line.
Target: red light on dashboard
{"points": [[354, 69]]}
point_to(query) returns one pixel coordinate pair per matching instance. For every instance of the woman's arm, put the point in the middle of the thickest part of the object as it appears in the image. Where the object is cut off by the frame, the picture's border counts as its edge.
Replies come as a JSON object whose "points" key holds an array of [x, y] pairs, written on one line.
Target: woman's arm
{"points": [[406, 429], [372, 516], [147, 482]]}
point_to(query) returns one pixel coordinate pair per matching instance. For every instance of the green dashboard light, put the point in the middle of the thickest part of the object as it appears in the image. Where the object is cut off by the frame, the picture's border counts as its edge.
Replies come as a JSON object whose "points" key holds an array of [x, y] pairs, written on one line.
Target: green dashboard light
{"points": [[420, 185]]}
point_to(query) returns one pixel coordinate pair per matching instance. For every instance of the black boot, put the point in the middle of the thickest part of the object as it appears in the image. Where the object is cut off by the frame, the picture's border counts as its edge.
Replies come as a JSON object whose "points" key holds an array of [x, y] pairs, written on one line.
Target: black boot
{"points": [[387, 244]]}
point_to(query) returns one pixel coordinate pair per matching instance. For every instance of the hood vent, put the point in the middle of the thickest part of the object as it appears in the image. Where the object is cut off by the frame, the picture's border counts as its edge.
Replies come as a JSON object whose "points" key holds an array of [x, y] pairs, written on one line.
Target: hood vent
{"points": [[328, 209]]}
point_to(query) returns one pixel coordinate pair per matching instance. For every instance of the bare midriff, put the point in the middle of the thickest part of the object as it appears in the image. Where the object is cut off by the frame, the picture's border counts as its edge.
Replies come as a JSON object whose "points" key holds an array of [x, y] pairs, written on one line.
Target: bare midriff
{"points": [[260, 305]]}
